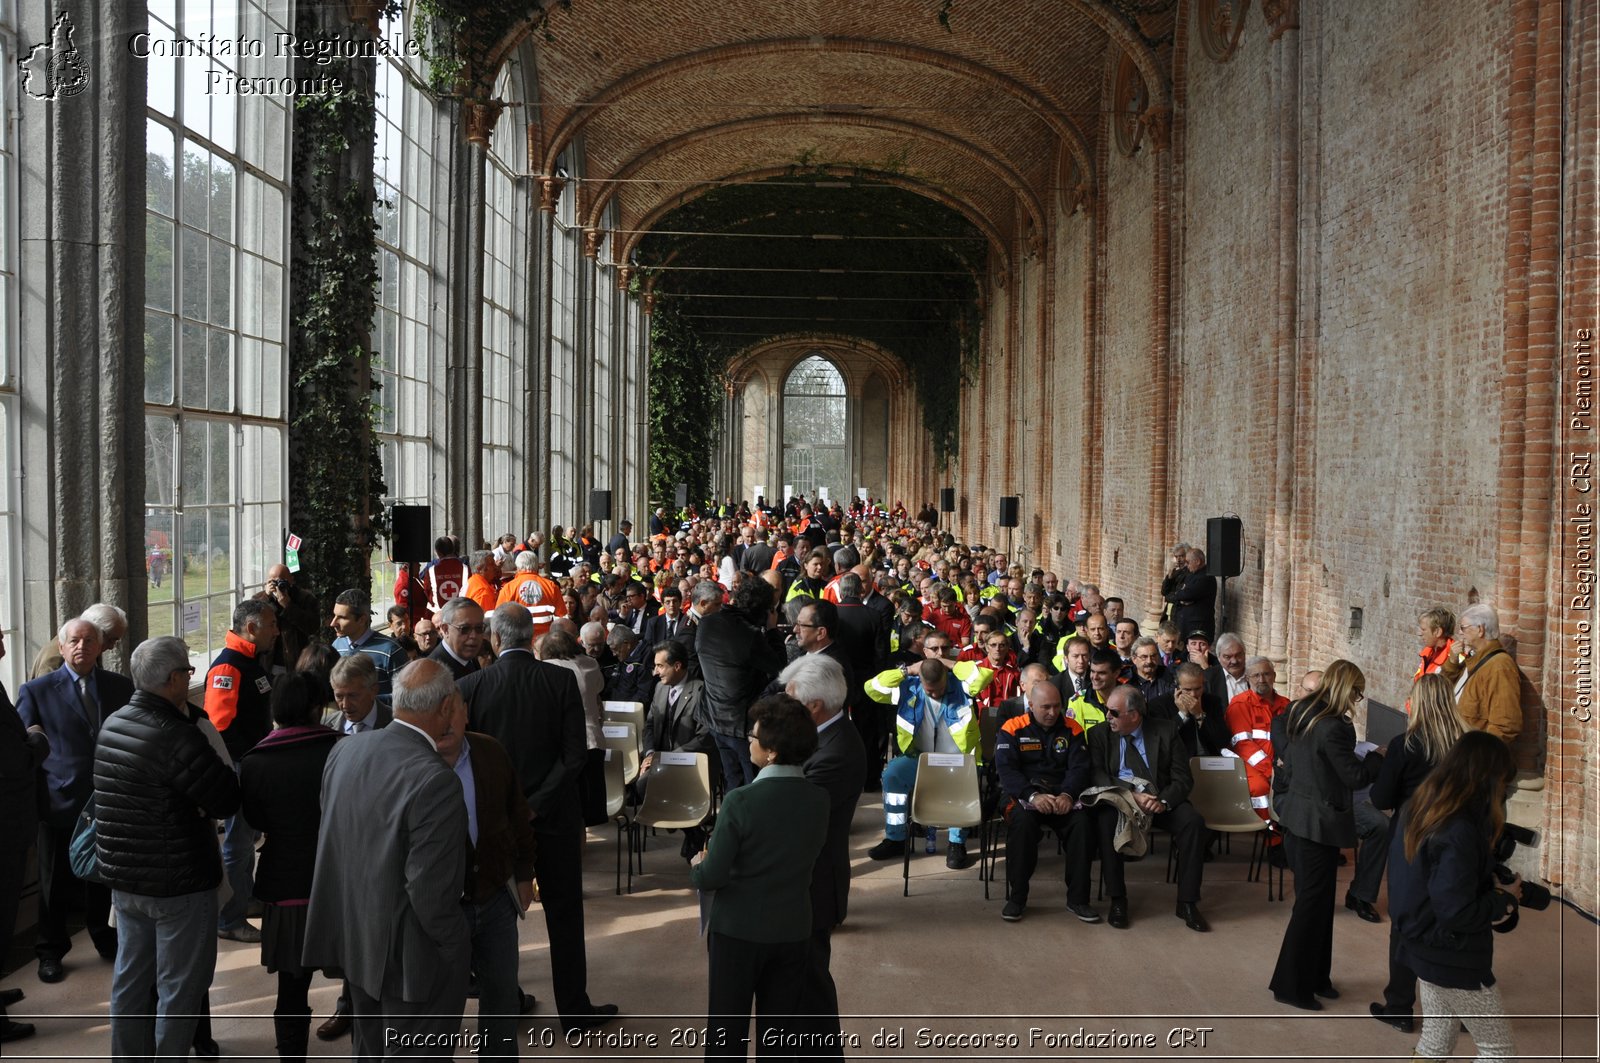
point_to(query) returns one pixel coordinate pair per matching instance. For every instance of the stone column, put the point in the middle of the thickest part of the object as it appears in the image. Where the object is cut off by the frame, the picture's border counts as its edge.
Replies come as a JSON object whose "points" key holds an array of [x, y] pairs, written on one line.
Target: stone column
{"points": [[80, 345], [1162, 519], [538, 507], [478, 119]]}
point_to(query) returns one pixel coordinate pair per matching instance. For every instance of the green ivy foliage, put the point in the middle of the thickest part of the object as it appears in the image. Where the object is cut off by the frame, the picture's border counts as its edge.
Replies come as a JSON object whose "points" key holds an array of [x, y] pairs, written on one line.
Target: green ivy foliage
{"points": [[457, 38], [686, 385], [335, 468]]}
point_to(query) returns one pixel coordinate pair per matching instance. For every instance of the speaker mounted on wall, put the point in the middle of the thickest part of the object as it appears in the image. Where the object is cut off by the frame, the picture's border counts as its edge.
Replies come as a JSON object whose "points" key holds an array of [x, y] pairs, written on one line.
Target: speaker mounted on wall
{"points": [[1224, 547], [947, 500], [409, 533], [599, 505], [680, 495], [1010, 511]]}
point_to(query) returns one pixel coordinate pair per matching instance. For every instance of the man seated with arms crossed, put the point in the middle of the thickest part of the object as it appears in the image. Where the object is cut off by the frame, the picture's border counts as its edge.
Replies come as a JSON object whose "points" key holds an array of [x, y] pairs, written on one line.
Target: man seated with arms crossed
{"points": [[1089, 708], [1044, 765], [1144, 755]]}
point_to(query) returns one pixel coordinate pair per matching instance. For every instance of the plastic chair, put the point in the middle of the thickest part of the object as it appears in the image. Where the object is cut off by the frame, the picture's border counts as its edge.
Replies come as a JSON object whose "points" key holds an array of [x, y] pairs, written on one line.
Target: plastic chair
{"points": [[617, 805], [622, 738], [625, 712], [946, 795], [1221, 795], [677, 796]]}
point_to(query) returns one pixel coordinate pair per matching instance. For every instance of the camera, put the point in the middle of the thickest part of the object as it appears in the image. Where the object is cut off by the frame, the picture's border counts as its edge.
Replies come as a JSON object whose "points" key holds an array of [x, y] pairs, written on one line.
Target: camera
{"points": [[1533, 896], [278, 584]]}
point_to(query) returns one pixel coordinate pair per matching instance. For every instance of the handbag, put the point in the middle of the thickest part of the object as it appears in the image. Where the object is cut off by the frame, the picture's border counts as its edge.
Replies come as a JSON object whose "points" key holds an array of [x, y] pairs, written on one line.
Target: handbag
{"points": [[81, 856]]}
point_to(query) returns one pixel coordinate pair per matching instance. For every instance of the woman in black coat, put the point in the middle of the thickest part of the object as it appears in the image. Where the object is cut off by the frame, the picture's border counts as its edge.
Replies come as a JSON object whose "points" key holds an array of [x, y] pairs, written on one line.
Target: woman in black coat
{"points": [[281, 781], [1314, 772], [1434, 728], [1443, 899]]}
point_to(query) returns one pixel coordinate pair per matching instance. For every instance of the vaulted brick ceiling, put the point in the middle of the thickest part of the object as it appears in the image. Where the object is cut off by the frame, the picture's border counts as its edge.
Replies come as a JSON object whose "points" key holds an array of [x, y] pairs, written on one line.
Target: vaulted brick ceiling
{"points": [[975, 104]]}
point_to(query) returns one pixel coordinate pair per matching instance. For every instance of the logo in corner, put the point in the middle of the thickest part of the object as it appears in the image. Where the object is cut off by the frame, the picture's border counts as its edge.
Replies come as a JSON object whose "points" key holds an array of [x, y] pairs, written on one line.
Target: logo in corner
{"points": [[55, 70]]}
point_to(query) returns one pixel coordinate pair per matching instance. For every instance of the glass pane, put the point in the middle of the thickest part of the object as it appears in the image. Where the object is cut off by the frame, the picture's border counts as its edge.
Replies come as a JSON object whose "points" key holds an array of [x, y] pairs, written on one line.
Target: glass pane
{"points": [[250, 295], [221, 288], [193, 265], [271, 207], [157, 358], [194, 471], [161, 73], [814, 376], [196, 190], [250, 375], [158, 176], [158, 461], [219, 389], [157, 262], [193, 353], [222, 554], [221, 197], [158, 539], [221, 459], [196, 104], [271, 380], [272, 301]]}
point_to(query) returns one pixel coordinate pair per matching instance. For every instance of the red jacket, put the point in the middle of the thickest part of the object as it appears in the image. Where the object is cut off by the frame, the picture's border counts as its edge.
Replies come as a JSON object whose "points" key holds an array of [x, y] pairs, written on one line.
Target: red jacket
{"points": [[1250, 719]]}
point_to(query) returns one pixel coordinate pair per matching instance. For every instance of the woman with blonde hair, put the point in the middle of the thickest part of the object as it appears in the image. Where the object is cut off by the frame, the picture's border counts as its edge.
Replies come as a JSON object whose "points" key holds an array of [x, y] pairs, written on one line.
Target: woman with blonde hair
{"points": [[1433, 730], [1314, 773], [1444, 900]]}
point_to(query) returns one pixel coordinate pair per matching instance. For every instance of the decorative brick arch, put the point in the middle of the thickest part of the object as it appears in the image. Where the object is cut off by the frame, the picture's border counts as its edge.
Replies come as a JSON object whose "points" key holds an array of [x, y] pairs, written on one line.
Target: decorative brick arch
{"points": [[607, 186], [623, 250], [1040, 107]]}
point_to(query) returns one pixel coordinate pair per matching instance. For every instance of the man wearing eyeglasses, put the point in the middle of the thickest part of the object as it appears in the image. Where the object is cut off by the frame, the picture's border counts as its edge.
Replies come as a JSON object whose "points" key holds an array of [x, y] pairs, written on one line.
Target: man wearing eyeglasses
{"points": [[461, 631], [1250, 717], [1144, 756]]}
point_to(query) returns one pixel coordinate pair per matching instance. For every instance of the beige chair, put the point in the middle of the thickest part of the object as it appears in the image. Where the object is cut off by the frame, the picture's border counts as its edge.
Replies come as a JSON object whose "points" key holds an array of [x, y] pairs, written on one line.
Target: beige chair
{"points": [[622, 738], [625, 712], [1221, 795], [946, 795], [617, 804], [677, 796]]}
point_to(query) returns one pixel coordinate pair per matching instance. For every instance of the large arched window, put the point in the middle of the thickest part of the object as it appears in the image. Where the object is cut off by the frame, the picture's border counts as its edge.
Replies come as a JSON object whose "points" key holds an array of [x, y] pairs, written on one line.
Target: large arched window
{"points": [[816, 429]]}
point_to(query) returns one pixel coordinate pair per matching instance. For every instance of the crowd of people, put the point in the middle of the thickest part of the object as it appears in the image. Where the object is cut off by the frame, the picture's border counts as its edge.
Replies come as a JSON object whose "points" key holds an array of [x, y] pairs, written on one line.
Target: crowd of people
{"points": [[442, 766]]}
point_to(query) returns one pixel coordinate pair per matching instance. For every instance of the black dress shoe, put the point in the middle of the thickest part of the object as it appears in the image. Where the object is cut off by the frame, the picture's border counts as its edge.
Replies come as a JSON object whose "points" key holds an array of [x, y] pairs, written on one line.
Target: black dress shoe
{"points": [[9, 997], [599, 1016], [1364, 909], [956, 858], [1327, 992], [207, 1048], [1119, 913], [50, 969], [887, 850], [337, 1026], [1308, 1004], [1399, 1020], [15, 1031], [1189, 912], [525, 1002]]}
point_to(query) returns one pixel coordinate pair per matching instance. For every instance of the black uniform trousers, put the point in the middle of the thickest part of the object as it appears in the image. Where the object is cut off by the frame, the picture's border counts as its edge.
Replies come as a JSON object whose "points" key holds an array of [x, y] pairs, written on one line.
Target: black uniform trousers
{"points": [[558, 869], [772, 975], [1188, 829], [1024, 828], [59, 891]]}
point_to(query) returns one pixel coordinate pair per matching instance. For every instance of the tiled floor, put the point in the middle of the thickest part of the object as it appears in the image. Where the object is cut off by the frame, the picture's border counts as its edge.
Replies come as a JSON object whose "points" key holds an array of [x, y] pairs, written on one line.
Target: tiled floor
{"points": [[942, 960]]}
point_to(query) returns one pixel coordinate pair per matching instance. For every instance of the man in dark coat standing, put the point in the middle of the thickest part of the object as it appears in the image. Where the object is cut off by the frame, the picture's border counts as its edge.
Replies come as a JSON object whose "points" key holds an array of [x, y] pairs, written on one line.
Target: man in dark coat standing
{"points": [[1194, 599], [838, 766], [738, 657], [535, 711]]}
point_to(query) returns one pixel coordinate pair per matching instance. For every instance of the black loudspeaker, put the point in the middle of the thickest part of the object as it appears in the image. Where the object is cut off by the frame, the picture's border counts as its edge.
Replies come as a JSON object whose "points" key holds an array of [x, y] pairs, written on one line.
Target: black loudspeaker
{"points": [[680, 495], [947, 500], [1010, 505], [409, 535], [1224, 546], [599, 505]]}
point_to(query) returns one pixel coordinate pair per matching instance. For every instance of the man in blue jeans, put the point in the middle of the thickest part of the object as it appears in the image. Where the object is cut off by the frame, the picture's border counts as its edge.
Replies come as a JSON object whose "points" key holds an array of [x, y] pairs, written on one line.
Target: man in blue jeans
{"points": [[157, 788]]}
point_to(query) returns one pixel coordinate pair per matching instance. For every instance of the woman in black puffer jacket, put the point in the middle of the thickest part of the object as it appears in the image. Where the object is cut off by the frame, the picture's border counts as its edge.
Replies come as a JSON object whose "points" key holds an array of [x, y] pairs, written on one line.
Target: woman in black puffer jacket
{"points": [[1444, 901]]}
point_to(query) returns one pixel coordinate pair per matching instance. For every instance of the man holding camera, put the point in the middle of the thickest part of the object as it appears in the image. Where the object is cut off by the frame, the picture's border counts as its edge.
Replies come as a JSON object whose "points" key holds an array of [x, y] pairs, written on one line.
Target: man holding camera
{"points": [[298, 618]]}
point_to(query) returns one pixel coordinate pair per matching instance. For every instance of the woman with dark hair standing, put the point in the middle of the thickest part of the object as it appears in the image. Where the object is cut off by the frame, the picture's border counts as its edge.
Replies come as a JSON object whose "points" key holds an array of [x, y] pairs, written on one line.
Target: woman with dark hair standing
{"points": [[759, 861], [1443, 899], [1315, 770], [1432, 732], [281, 782]]}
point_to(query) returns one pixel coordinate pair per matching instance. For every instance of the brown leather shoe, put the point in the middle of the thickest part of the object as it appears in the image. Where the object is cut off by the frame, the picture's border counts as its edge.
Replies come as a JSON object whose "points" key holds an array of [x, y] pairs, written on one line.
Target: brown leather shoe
{"points": [[337, 1026]]}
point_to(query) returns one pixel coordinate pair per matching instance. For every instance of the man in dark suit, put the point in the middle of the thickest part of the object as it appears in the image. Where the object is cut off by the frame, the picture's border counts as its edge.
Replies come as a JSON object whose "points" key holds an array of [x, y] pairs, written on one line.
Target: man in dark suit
{"points": [[838, 766], [670, 622], [676, 721], [502, 854], [394, 841], [1200, 717], [535, 710], [1194, 599], [69, 705], [1145, 755], [758, 555], [22, 751], [461, 630], [619, 541]]}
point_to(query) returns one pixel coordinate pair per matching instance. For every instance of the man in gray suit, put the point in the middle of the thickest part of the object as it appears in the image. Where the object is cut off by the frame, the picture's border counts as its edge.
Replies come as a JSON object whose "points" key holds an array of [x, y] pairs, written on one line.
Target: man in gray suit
{"points": [[391, 866]]}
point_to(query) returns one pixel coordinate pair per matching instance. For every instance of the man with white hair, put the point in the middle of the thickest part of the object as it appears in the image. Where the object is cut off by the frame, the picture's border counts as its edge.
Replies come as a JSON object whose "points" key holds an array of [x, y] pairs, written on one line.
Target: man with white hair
{"points": [[112, 624], [540, 595], [1489, 692], [839, 765], [1231, 656], [69, 705], [394, 840]]}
